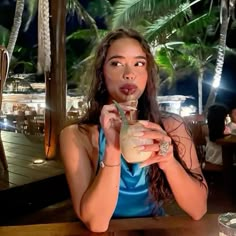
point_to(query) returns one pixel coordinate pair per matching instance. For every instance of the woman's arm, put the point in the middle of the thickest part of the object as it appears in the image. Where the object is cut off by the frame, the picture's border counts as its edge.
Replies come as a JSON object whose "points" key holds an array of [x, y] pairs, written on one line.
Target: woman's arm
{"points": [[94, 198], [190, 193]]}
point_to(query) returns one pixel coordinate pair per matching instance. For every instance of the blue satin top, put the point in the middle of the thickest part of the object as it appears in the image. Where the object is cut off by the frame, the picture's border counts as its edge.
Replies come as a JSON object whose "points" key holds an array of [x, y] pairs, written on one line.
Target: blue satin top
{"points": [[133, 199]]}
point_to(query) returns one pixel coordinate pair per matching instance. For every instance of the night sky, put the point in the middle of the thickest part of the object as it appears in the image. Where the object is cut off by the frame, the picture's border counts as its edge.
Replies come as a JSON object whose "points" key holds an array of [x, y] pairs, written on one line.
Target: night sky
{"points": [[226, 92]]}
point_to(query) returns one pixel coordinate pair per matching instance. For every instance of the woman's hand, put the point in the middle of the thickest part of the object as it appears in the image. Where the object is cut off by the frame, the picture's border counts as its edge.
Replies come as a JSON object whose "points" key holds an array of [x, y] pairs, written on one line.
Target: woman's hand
{"points": [[111, 122], [162, 148]]}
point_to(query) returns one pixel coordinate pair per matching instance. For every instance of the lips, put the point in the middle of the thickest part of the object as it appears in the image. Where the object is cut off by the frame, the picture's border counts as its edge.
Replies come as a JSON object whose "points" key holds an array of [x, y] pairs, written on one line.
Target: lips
{"points": [[128, 89]]}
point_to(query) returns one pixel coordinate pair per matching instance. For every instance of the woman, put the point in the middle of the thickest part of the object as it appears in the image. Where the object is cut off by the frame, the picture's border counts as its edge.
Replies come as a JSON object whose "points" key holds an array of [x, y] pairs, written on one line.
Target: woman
{"points": [[232, 123], [217, 128], [102, 184]]}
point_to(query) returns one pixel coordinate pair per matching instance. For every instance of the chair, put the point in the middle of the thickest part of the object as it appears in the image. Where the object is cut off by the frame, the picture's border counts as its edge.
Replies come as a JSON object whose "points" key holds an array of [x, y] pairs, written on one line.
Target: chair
{"points": [[199, 134], [212, 172], [4, 65]]}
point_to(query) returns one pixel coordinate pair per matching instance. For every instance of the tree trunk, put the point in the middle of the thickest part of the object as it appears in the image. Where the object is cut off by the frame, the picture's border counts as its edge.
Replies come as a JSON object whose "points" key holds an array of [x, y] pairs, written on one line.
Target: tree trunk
{"points": [[200, 79], [55, 113], [221, 55], [16, 27]]}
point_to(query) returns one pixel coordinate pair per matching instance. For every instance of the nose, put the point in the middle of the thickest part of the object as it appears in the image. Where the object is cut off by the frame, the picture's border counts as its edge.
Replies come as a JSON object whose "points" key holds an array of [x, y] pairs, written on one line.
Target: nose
{"points": [[128, 73]]}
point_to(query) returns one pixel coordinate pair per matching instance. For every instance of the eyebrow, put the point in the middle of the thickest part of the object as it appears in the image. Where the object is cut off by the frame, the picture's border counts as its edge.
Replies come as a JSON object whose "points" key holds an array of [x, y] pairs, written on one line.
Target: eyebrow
{"points": [[121, 57]]}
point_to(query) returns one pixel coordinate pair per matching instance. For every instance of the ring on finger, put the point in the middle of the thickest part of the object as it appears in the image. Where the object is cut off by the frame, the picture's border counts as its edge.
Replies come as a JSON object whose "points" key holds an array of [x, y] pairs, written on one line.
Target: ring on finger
{"points": [[164, 147]]}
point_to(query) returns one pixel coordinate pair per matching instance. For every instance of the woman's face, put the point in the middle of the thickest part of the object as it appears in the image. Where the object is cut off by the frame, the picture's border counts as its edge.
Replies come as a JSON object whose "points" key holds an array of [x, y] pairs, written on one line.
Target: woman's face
{"points": [[125, 70]]}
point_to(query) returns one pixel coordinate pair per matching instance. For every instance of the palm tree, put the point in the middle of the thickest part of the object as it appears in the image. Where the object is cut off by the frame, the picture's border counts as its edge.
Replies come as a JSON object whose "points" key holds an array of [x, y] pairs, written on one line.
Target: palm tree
{"points": [[73, 8], [16, 26], [77, 64], [226, 12], [127, 13], [175, 57]]}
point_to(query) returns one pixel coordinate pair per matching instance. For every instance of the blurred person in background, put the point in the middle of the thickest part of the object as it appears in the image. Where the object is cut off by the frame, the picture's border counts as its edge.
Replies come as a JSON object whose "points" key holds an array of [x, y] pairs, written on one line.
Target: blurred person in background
{"points": [[232, 123], [216, 121]]}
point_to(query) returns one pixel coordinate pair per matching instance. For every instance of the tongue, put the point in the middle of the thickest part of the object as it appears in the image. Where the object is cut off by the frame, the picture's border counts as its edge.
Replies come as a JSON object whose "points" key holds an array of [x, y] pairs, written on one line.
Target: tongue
{"points": [[127, 91]]}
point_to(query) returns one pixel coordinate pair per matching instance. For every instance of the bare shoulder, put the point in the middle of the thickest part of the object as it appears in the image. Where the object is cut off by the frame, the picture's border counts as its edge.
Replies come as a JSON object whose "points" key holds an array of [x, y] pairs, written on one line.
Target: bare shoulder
{"points": [[79, 137], [82, 132], [69, 131], [73, 131]]}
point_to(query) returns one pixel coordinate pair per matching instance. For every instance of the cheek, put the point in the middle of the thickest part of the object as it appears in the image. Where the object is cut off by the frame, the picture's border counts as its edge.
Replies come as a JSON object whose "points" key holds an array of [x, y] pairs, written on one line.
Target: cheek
{"points": [[111, 74], [144, 77], [109, 82]]}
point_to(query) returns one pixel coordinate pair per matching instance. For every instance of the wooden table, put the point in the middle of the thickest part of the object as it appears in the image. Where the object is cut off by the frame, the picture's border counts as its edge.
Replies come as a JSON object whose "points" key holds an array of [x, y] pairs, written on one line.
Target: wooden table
{"points": [[228, 144], [163, 226]]}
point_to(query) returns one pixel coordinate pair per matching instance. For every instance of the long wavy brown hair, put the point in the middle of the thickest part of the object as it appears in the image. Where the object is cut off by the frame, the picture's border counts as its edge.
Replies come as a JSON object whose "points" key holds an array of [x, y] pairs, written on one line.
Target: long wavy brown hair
{"points": [[98, 96]]}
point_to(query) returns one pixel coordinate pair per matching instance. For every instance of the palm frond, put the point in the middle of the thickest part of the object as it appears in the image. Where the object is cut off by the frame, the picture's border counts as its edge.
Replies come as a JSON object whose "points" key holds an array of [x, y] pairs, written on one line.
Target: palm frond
{"points": [[196, 55], [95, 8], [79, 64], [200, 25], [28, 67], [176, 56], [168, 24], [85, 61], [32, 6], [75, 8], [128, 13], [232, 9], [163, 59], [86, 34], [4, 35]]}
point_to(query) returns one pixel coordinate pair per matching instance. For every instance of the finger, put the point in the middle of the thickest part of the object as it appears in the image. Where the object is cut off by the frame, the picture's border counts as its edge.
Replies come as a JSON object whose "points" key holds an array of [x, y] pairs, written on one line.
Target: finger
{"points": [[151, 125], [148, 147], [105, 115], [112, 117], [112, 108], [156, 158], [109, 119], [150, 134], [127, 107], [109, 108], [152, 160], [156, 148]]}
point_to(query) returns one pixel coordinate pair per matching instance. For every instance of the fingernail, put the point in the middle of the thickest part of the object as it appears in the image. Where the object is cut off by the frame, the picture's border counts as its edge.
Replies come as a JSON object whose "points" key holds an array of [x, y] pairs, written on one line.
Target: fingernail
{"points": [[143, 122], [138, 134], [132, 108]]}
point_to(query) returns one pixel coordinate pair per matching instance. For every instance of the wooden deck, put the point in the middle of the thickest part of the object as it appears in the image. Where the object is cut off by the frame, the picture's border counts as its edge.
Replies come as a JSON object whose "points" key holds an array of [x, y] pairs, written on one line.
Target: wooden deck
{"points": [[26, 186]]}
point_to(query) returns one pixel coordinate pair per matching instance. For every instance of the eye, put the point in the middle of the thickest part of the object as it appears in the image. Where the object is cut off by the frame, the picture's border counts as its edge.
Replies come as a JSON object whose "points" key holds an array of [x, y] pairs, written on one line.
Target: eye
{"points": [[116, 63], [140, 63]]}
